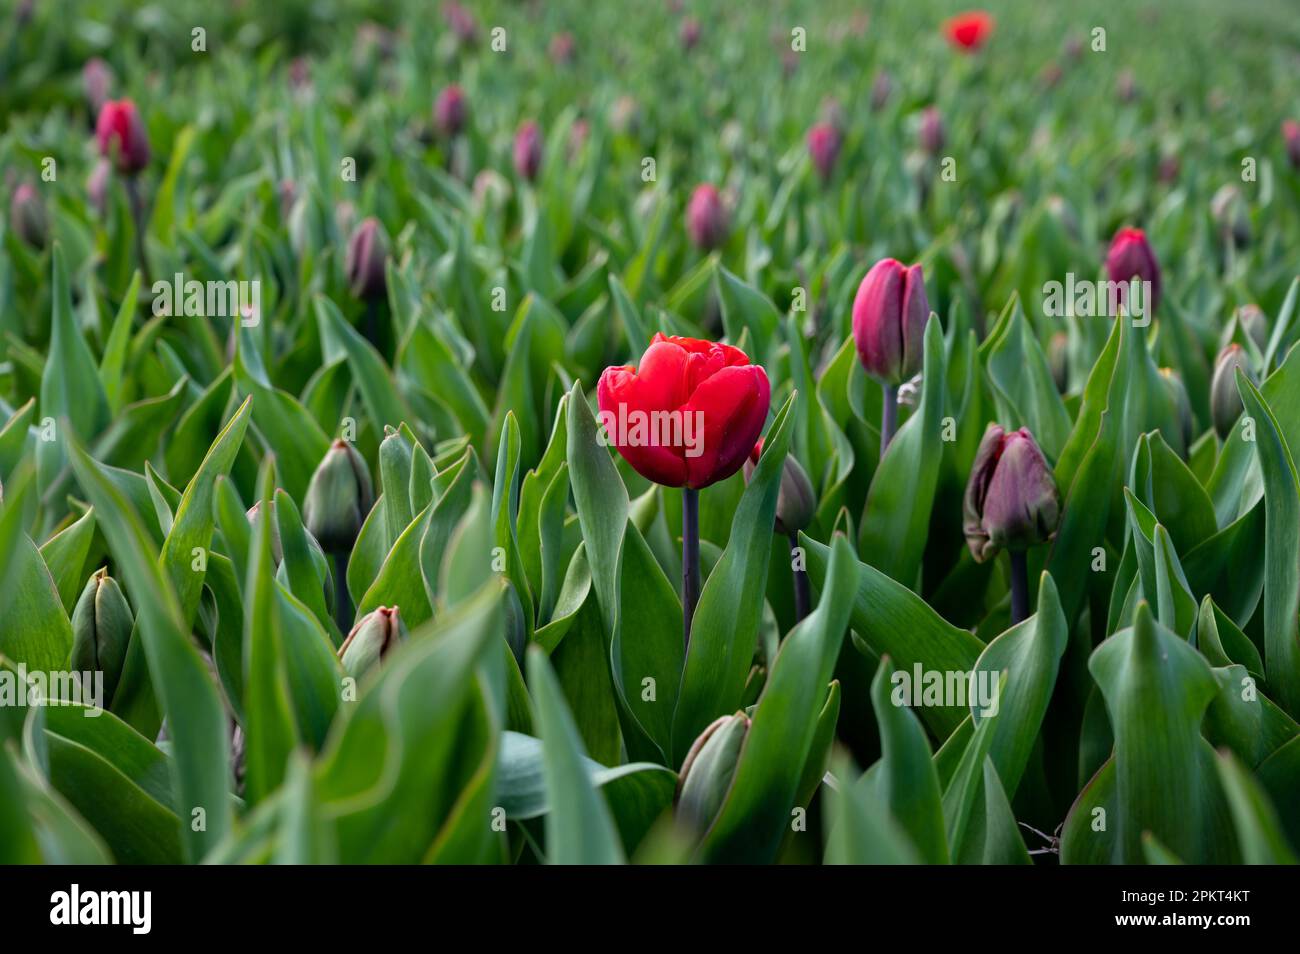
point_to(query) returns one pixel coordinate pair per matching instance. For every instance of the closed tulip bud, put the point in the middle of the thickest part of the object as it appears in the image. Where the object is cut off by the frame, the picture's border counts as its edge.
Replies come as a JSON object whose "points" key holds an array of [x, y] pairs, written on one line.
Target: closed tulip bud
{"points": [[366, 256], [449, 111], [121, 136], [1225, 399], [97, 185], [1254, 322], [338, 499], [300, 74], [1291, 136], [1126, 86], [708, 770], [796, 504], [932, 134], [373, 637], [1131, 257], [462, 23], [707, 219], [1169, 168], [528, 150], [27, 216], [97, 80], [101, 630], [625, 115], [690, 33], [562, 49], [1182, 401], [881, 87], [1228, 209], [1011, 498], [889, 315], [1073, 47], [711, 400], [824, 148], [1058, 359]]}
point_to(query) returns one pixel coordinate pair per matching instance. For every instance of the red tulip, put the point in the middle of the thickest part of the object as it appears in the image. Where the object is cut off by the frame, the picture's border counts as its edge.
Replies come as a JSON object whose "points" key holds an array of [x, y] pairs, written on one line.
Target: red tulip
{"points": [[1291, 133], [969, 31], [122, 136], [689, 414], [889, 316], [449, 110], [706, 217], [1130, 257], [824, 147], [528, 150]]}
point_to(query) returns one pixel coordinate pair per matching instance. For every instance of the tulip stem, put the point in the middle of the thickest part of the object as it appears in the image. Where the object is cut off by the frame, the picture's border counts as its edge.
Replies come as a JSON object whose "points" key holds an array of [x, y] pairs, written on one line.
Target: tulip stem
{"points": [[802, 591], [690, 559], [342, 600], [137, 216], [888, 416], [1019, 586], [372, 321]]}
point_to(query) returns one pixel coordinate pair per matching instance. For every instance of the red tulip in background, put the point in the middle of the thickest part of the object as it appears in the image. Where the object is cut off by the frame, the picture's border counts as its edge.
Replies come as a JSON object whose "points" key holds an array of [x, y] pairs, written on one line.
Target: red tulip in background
{"points": [[707, 218], [689, 414], [1131, 257], [824, 146], [969, 31], [528, 150], [122, 137]]}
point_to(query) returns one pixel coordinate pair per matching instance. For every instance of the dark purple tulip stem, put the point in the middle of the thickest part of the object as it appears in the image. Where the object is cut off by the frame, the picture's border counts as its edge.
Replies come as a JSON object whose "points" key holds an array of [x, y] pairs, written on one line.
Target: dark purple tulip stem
{"points": [[690, 558], [802, 591], [888, 416], [342, 600], [1019, 586], [137, 216]]}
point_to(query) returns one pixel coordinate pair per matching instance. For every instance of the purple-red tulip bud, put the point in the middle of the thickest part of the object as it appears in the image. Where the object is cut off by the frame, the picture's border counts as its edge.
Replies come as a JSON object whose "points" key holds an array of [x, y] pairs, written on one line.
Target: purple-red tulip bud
{"points": [[365, 260], [880, 90], [528, 150], [27, 216], [97, 78], [1131, 257], [707, 219], [889, 315], [1291, 135], [690, 33], [932, 134], [449, 110], [121, 136], [563, 47], [1011, 498], [97, 185], [824, 147]]}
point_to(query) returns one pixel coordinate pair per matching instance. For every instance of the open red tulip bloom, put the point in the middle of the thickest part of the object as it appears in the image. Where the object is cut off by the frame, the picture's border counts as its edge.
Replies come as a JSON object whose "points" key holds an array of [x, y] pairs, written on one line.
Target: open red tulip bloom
{"points": [[689, 414], [969, 31]]}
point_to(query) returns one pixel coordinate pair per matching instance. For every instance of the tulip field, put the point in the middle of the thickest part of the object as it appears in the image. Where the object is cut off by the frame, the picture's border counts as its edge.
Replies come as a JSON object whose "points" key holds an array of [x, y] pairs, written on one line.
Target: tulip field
{"points": [[671, 432]]}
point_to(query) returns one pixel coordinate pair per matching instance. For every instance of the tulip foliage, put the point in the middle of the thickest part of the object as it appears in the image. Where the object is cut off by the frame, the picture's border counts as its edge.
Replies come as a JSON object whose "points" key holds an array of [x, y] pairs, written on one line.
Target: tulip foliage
{"points": [[654, 440]]}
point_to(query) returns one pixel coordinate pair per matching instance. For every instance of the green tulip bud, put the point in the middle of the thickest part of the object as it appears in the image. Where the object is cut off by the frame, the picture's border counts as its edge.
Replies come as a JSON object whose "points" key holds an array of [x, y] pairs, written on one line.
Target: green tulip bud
{"points": [[1225, 399], [338, 499], [1011, 498], [1254, 322], [708, 770], [101, 630], [1058, 358], [374, 636]]}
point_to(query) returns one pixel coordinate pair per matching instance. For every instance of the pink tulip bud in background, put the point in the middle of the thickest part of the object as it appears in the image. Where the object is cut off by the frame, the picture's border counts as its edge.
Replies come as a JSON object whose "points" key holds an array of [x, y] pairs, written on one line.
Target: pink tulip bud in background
{"points": [[824, 147], [932, 134], [449, 110], [707, 219], [528, 150]]}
